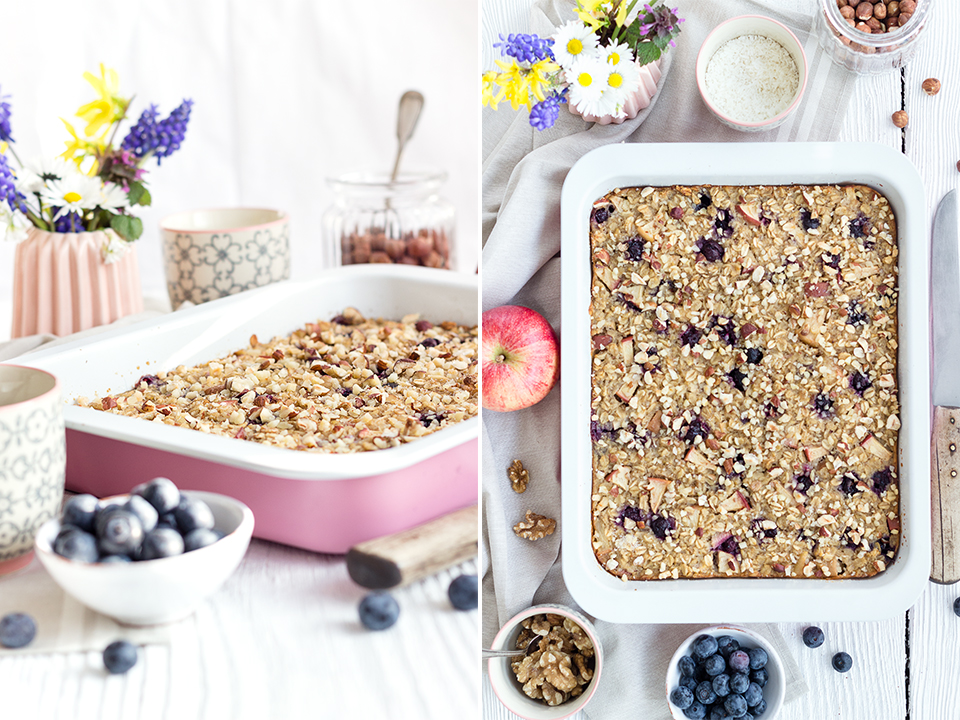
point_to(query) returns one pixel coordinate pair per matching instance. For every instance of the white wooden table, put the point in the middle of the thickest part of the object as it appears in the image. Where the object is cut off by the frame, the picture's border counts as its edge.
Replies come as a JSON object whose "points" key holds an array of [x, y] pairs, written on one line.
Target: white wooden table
{"points": [[281, 639], [907, 666]]}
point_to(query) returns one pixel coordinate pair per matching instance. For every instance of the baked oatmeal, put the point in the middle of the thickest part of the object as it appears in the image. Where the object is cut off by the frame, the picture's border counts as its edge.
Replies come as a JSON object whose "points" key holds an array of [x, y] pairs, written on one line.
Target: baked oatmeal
{"points": [[346, 385], [744, 412]]}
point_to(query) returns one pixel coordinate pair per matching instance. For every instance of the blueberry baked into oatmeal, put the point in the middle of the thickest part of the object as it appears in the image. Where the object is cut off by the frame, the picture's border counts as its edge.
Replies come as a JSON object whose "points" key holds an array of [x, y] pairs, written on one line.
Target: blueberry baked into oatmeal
{"points": [[744, 412], [346, 385]]}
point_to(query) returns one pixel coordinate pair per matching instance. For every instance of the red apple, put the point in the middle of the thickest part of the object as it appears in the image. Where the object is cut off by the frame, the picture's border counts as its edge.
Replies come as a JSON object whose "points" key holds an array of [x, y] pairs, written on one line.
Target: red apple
{"points": [[520, 358]]}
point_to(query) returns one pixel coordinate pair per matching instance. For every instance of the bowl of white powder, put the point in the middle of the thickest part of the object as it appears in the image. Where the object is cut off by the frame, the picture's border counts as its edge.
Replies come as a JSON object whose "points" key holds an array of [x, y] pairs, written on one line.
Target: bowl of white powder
{"points": [[751, 72]]}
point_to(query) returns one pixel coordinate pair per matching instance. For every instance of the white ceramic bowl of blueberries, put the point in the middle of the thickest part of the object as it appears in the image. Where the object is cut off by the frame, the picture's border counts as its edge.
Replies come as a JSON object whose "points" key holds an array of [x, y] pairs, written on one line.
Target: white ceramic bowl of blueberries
{"points": [[149, 557], [725, 671]]}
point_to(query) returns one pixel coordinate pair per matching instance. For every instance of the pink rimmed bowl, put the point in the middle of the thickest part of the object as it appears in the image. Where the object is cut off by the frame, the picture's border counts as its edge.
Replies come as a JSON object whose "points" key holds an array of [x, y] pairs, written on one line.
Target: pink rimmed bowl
{"points": [[210, 254], [751, 25]]}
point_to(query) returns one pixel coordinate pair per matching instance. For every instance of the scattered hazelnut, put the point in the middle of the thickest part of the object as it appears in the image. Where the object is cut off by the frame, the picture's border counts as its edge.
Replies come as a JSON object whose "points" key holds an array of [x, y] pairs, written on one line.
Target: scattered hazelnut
{"points": [[931, 86], [864, 10], [880, 11], [904, 18], [900, 118], [863, 27], [847, 12], [893, 8], [908, 7], [875, 25]]}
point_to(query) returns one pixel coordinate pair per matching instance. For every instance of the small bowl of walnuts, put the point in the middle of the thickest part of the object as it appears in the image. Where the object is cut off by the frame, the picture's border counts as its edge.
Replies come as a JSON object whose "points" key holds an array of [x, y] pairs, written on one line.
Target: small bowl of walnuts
{"points": [[557, 666]]}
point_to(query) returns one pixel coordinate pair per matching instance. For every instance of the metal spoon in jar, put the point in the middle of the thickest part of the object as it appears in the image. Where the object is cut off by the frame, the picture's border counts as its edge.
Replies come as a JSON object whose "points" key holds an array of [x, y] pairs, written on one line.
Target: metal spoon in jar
{"points": [[534, 641], [411, 103]]}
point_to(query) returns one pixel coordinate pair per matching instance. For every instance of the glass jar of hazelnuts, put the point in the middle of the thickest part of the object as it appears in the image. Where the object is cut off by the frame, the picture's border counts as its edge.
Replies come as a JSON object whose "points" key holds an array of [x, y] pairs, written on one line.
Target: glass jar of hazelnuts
{"points": [[374, 219], [872, 37]]}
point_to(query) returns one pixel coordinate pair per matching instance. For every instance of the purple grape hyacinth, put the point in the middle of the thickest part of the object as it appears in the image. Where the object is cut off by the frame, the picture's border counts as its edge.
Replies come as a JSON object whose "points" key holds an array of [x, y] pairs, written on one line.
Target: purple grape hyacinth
{"points": [[525, 48], [5, 130], [545, 113], [142, 138], [172, 130], [8, 187], [160, 137]]}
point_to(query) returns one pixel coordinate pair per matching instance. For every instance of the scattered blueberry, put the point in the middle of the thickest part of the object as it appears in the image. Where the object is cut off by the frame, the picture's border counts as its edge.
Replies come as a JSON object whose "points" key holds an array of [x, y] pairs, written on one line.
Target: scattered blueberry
{"points": [[704, 646], [689, 682], [714, 665], [855, 315], [429, 342], [753, 695], [807, 220], [634, 249], [119, 532], [848, 483], [822, 405], [159, 492], [726, 330], [661, 526], [199, 538], [463, 592], [697, 711], [691, 336], [760, 708], [378, 611], [735, 705], [168, 520], [145, 512], [813, 637], [119, 657], [881, 480], [726, 644], [754, 356], [80, 510], [704, 202], [601, 214], [737, 376], [758, 658], [842, 662], [711, 250], [724, 223], [760, 676], [681, 697], [831, 260], [859, 226], [161, 543], [739, 682], [686, 666], [697, 427], [705, 694], [956, 607], [193, 513], [676, 213], [721, 684], [17, 630], [859, 382], [803, 482], [75, 544], [739, 661]]}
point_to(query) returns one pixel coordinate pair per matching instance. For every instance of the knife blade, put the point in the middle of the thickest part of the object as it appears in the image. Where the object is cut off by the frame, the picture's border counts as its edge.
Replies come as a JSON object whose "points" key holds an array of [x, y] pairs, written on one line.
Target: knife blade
{"points": [[945, 461]]}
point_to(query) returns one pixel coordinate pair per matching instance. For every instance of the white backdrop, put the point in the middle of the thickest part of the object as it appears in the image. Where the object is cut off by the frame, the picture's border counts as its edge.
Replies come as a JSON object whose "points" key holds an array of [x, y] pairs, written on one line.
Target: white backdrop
{"points": [[286, 93]]}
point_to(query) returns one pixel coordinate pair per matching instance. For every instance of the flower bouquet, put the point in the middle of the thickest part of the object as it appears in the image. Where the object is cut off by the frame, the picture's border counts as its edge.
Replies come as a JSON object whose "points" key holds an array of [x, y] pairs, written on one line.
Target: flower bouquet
{"points": [[592, 63], [94, 184]]}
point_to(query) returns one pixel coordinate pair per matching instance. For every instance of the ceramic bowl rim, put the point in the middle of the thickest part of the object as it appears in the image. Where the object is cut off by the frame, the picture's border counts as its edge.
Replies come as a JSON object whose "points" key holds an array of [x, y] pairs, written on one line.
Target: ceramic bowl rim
{"points": [[176, 222]]}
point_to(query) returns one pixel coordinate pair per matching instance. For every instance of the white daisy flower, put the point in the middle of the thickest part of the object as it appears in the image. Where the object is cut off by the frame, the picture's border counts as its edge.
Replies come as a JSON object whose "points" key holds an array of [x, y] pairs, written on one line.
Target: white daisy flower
{"points": [[572, 42], [113, 197], [114, 248], [74, 193], [588, 79], [37, 172], [617, 55], [13, 225]]}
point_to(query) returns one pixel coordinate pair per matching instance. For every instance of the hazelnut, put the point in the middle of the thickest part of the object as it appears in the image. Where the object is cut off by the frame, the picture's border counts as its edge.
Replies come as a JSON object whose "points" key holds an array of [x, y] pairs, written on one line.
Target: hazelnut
{"points": [[863, 27], [841, 3], [904, 18], [900, 118], [880, 11], [958, 165], [847, 12], [931, 86], [908, 6], [864, 10], [893, 8], [875, 25]]}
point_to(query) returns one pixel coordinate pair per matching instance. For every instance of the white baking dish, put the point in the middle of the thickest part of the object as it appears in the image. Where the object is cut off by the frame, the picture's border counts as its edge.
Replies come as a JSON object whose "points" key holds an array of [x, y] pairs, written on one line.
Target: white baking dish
{"points": [[745, 600], [317, 501]]}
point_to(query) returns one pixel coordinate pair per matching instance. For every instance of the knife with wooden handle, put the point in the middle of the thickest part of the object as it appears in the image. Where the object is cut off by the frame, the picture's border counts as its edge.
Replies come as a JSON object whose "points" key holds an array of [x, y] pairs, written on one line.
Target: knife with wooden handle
{"points": [[424, 550], [945, 470]]}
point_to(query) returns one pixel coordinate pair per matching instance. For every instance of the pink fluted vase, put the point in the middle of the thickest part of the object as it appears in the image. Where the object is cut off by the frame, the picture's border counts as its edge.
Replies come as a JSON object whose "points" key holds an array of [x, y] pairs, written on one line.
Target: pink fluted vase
{"points": [[637, 101], [62, 285]]}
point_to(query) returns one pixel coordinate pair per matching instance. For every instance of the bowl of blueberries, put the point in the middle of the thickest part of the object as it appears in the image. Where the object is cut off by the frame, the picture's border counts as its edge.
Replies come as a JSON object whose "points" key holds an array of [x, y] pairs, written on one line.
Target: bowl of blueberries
{"points": [[725, 672], [148, 557]]}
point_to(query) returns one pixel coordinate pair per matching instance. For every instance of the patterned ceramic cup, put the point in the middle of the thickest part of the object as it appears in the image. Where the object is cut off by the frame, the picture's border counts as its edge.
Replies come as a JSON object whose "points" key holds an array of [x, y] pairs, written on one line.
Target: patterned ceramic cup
{"points": [[32, 460], [209, 254]]}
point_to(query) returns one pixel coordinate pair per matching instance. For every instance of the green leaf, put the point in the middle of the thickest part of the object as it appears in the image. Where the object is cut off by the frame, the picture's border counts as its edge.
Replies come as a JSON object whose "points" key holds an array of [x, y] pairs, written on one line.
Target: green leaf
{"points": [[145, 199], [127, 226], [136, 192], [647, 52]]}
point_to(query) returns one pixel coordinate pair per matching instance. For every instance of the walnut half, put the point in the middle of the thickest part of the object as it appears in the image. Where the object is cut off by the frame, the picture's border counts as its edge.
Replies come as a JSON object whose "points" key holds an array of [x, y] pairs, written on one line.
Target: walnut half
{"points": [[519, 477], [534, 527]]}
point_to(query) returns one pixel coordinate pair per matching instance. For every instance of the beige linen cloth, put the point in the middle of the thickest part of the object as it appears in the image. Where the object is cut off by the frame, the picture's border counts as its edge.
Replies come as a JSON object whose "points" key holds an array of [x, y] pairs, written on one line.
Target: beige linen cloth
{"points": [[523, 173]]}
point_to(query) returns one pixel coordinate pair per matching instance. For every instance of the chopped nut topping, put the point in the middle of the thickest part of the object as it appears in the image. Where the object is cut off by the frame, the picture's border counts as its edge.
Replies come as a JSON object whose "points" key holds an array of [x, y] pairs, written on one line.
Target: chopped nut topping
{"points": [[561, 666]]}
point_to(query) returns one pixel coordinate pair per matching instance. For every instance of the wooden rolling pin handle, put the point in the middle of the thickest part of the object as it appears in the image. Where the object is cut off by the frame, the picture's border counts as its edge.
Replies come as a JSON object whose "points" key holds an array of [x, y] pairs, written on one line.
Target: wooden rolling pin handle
{"points": [[415, 553], [945, 496]]}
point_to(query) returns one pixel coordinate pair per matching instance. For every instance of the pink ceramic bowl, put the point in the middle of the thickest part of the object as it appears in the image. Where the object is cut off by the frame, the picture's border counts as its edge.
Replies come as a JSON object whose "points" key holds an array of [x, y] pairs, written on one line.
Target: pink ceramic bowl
{"points": [[751, 25]]}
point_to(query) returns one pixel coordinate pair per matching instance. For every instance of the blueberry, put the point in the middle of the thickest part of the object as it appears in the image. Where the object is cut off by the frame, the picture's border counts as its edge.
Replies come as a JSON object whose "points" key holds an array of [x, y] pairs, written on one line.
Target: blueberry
{"points": [[145, 512], [712, 250], [813, 637], [754, 356], [859, 226], [378, 611], [660, 526], [726, 644], [17, 630], [739, 662], [690, 336], [161, 543], [193, 513], [803, 482], [681, 697], [848, 483], [739, 682], [822, 405], [721, 685], [717, 712], [705, 694], [690, 682], [842, 662], [119, 657], [714, 665], [859, 383], [119, 532], [601, 214], [881, 480], [808, 221], [704, 646], [760, 708], [697, 427], [115, 559], [80, 510], [956, 607], [75, 544], [687, 666], [735, 705], [736, 377], [723, 223], [855, 315], [760, 676], [704, 202], [634, 249], [159, 492], [429, 342], [168, 520], [758, 658], [753, 695], [696, 711], [199, 538], [463, 592]]}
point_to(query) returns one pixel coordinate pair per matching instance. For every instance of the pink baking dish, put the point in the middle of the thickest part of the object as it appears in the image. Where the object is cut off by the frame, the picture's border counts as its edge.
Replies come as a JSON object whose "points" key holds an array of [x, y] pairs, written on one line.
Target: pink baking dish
{"points": [[325, 503]]}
